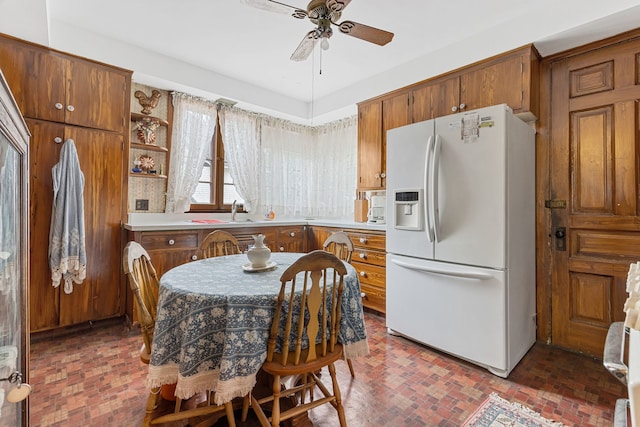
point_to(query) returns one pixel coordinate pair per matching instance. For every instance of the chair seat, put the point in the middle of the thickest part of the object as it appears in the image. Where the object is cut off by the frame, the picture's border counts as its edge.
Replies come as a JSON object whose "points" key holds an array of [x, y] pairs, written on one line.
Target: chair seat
{"points": [[276, 367]]}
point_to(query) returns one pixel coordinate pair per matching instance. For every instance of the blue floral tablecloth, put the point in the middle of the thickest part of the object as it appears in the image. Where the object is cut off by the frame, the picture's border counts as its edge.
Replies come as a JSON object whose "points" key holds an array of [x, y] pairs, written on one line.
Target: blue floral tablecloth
{"points": [[213, 323]]}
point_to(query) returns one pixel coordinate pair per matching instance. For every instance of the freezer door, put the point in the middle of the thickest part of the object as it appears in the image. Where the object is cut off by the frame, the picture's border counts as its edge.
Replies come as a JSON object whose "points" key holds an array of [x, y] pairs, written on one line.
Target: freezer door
{"points": [[458, 309], [407, 170], [470, 187]]}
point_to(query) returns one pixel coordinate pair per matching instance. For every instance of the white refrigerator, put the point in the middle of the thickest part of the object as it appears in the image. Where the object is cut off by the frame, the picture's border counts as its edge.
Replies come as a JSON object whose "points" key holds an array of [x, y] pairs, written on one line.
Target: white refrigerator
{"points": [[461, 236]]}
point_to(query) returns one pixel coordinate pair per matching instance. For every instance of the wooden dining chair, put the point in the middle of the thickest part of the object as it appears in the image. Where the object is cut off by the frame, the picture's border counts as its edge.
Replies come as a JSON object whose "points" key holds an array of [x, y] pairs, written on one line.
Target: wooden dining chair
{"points": [[144, 284], [340, 245], [311, 289], [219, 243]]}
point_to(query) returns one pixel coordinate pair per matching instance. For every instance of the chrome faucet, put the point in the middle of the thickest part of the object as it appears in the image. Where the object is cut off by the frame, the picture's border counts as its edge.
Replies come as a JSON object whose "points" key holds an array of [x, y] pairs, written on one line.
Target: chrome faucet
{"points": [[234, 210]]}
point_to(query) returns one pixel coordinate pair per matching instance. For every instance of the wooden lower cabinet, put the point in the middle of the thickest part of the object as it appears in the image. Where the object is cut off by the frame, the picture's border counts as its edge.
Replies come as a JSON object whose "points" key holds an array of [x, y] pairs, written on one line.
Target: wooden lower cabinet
{"points": [[171, 248], [369, 260]]}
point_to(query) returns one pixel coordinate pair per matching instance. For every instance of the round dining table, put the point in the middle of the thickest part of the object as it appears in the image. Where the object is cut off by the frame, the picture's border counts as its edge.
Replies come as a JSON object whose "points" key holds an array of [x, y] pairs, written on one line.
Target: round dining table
{"points": [[213, 321]]}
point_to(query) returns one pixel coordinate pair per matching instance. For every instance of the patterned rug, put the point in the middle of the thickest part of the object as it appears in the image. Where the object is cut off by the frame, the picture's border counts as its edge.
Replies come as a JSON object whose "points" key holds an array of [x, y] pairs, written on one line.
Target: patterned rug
{"points": [[497, 412]]}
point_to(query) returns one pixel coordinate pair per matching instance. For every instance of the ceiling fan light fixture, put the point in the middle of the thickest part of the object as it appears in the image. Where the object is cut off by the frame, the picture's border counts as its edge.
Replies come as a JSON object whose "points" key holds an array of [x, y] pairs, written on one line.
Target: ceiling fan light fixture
{"points": [[325, 43]]}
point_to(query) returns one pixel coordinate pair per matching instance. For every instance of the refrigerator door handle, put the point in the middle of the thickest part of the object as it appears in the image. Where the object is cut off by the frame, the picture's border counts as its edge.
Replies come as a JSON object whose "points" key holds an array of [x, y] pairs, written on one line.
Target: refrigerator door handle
{"points": [[464, 274], [433, 191], [426, 203]]}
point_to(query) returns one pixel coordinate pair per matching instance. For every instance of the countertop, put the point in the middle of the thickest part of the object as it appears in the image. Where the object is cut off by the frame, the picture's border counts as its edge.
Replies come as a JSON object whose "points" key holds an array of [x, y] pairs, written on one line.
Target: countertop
{"points": [[194, 221]]}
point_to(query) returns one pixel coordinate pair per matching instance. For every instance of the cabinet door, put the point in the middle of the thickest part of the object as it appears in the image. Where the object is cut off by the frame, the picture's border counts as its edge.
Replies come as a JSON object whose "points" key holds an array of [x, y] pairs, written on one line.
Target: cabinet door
{"points": [[101, 295], [292, 239], [369, 144], [395, 113], [43, 154], [501, 83], [36, 78], [445, 97], [96, 96]]}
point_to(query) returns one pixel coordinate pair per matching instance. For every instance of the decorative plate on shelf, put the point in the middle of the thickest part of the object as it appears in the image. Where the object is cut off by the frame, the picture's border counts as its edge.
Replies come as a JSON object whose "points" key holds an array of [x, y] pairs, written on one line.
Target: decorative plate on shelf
{"points": [[146, 163]]}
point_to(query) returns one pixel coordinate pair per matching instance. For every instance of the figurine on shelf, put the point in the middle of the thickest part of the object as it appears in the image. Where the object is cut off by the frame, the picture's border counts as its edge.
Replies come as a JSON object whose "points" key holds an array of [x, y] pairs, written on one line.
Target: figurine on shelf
{"points": [[148, 103], [146, 127], [146, 163], [136, 166]]}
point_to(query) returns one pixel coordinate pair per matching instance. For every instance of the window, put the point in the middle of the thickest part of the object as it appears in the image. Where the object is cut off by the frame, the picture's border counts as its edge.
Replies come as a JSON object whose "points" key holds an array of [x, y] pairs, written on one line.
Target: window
{"points": [[216, 190]]}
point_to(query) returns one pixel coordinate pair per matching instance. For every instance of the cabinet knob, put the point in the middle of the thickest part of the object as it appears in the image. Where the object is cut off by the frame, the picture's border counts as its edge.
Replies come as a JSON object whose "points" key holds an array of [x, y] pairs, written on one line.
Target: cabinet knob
{"points": [[383, 175], [454, 108], [281, 248], [362, 255], [171, 242], [362, 273], [363, 295], [377, 175], [70, 108], [363, 240], [463, 106], [194, 257], [58, 106], [57, 140], [292, 234]]}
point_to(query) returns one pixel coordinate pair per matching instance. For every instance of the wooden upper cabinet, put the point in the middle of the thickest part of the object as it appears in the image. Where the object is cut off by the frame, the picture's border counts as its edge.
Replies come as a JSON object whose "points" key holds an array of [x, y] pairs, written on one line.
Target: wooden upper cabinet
{"points": [[435, 99], [370, 144], [501, 83], [61, 88]]}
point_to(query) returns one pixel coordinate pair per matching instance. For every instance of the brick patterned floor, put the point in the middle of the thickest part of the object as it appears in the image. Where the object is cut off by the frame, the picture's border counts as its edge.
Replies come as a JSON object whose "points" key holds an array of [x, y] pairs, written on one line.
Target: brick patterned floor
{"points": [[95, 378]]}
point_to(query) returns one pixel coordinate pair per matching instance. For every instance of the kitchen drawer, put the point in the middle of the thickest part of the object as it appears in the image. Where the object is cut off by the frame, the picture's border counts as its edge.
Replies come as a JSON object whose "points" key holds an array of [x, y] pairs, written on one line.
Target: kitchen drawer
{"points": [[368, 256], [174, 240], [373, 241], [373, 297], [292, 239], [370, 274]]}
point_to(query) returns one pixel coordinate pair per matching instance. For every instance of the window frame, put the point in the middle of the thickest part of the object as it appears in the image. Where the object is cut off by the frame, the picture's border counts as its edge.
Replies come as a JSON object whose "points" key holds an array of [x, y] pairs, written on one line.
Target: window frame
{"points": [[217, 179]]}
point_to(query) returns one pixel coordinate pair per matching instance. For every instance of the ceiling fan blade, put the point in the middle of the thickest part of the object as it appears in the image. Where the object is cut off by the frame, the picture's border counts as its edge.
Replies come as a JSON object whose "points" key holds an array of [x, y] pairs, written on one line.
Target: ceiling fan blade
{"points": [[297, 12], [267, 5], [305, 47], [365, 32], [337, 5]]}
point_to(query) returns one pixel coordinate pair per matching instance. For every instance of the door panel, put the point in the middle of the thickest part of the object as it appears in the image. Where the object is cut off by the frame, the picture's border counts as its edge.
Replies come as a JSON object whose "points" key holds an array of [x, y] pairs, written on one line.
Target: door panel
{"points": [[594, 168]]}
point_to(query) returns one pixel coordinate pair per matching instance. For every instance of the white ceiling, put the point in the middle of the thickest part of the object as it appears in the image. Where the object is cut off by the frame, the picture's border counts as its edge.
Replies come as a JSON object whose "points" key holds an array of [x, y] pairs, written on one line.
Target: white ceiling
{"points": [[225, 48]]}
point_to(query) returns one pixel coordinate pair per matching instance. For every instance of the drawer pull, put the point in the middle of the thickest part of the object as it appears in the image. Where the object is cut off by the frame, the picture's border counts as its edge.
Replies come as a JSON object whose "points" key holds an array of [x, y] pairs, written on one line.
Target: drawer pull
{"points": [[362, 273], [363, 240], [70, 108], [363, 295], [194, 257], [292, 234], [58, 106], [171, 242], [362, 255], [281, 248], [57, 140]]}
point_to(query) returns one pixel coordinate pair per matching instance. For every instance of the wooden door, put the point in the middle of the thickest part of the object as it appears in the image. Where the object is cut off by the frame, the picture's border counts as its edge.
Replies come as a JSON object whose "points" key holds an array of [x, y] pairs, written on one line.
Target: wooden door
{"points": [[593, 163], [500, 83], [369, 145]]}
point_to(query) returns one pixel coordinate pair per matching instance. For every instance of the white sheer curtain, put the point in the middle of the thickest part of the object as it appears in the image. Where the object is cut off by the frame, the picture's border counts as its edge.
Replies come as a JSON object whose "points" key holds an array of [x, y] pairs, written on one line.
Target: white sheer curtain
{"points": [[241, 140], [308, 171], [194, 121]]}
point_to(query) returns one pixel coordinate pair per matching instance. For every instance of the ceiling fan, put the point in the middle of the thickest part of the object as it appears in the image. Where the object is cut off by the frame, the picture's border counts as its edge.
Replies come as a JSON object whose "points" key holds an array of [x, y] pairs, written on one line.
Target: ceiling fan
{"points": [[324, 14]]}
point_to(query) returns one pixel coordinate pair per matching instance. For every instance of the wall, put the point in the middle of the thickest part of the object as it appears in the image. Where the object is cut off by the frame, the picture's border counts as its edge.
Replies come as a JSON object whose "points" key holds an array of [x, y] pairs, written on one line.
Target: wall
{"points": [[150, 188]]}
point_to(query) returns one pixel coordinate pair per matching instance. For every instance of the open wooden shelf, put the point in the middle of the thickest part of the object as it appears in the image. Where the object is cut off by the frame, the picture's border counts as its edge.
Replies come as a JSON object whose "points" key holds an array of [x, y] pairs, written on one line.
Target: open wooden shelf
{"points": [[138, 116], [147, 175], [150, 147]]}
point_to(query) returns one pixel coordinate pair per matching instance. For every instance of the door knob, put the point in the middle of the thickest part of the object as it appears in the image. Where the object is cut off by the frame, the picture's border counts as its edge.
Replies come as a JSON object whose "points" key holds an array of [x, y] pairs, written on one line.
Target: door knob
{"points": [[561, 238]]}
